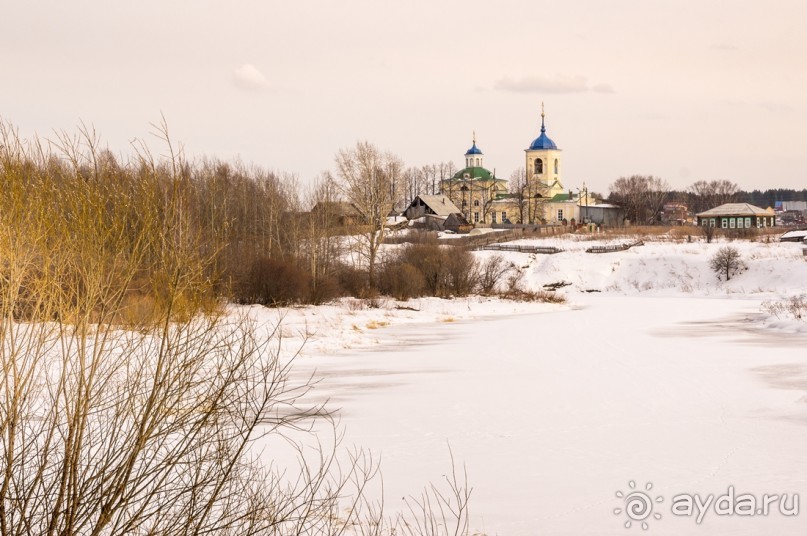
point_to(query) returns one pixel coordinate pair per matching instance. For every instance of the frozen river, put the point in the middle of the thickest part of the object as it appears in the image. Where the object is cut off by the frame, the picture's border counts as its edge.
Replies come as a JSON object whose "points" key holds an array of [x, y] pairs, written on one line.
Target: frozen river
{"points": [[553, 413]]}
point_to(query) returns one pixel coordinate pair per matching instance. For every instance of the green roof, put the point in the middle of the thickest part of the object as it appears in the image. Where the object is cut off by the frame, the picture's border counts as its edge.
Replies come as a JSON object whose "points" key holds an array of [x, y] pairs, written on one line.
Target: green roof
{"points": [[561, 197], [475, 173]]}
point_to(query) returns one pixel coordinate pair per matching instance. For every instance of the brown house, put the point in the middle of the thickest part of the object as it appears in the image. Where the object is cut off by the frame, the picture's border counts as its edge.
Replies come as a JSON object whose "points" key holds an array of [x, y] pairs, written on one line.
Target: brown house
{"points": [[339, 213]]}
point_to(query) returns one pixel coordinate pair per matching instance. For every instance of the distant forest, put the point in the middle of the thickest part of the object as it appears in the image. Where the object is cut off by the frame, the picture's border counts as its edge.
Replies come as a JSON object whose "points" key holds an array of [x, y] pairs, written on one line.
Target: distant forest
{"points": [[769, 197], [760, 198]]}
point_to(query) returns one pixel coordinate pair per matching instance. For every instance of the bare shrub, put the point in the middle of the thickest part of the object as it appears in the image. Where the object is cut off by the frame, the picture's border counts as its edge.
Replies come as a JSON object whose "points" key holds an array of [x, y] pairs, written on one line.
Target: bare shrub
{"points": [[275, 282], [461, 272], [401, 281], [429, 260], [439, 510], [794, 307], [446, 270], [727, 262], [491, 273], [353, 282], [708, 232]]}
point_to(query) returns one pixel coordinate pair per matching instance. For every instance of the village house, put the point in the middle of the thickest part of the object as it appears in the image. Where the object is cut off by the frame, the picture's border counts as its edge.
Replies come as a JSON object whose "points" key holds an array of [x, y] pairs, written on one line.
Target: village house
{"points": [[339, 213], [737, 216], [435, 212]]}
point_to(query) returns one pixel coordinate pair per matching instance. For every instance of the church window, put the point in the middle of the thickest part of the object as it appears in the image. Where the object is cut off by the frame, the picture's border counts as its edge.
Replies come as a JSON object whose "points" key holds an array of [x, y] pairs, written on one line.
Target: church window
{"points": [[493, 217], [556, 166], [464, 203], [476, 217], [476, 202], [504, 216], [539, 166], [560, 214]]}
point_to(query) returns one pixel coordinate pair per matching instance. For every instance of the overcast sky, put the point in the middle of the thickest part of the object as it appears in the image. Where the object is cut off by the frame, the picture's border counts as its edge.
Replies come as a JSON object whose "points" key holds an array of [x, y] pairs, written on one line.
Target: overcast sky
{"points": [[684, 90]]}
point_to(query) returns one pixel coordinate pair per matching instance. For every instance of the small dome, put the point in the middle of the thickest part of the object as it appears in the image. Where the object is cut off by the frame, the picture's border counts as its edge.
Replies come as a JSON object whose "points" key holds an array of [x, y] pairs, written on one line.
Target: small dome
{"points": [[473, 150]]}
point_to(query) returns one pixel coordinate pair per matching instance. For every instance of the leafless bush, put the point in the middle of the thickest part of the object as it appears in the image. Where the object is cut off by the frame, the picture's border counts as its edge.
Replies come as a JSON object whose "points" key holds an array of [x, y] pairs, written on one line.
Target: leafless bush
{"points": [[275, 282], [439, 510], [794, 307], [727, 262], [446, 270], [461, 272], [491, 273], [401, 281], [708, 232], [353, 282]]}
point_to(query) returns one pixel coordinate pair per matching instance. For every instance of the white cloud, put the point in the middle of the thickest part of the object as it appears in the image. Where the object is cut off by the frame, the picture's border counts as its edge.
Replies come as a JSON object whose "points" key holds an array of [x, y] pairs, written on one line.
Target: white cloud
{"points": [[560, 83], [250, 78], [603, 88]]}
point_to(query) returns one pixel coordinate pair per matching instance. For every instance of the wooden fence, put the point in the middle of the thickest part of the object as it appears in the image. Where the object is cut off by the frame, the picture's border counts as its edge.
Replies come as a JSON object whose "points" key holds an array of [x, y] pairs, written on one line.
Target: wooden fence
{"points": [[611, 249], [542, 250]]}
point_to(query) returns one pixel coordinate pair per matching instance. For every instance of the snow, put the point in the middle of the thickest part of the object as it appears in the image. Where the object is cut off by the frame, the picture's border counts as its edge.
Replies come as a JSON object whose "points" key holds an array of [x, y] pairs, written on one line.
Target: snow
{"points": [[665, 375], [800, 235]]}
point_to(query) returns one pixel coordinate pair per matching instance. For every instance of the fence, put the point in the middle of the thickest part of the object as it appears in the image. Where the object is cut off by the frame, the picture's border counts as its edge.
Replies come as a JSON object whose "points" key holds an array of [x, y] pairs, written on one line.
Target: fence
{"points": [[611, 249], [542, 250]]}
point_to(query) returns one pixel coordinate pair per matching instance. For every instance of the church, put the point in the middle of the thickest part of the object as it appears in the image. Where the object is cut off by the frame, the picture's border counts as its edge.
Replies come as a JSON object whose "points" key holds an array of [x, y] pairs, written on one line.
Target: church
{"points": [[485, 198]]}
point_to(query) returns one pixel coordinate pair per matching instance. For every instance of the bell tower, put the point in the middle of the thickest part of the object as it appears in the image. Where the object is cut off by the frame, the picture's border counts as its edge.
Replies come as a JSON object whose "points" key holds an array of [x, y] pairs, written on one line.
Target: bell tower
{"points": [[543, 164]]}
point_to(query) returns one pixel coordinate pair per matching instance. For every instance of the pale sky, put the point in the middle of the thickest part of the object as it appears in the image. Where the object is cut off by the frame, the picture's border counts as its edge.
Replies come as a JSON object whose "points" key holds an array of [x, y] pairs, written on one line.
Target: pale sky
{"points": [[684, 90]]}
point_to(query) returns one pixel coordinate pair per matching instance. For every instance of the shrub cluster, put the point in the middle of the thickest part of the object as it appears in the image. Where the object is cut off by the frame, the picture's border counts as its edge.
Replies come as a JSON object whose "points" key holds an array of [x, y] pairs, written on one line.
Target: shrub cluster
{"points": [[428, 269]]}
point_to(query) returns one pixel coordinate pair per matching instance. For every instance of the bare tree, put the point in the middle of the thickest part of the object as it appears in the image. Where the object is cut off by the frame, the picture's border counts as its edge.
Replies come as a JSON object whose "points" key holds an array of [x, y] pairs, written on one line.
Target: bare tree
{"points": [[727, 262], [642, 197], [711, 194], [366, 177], [518, 186]]}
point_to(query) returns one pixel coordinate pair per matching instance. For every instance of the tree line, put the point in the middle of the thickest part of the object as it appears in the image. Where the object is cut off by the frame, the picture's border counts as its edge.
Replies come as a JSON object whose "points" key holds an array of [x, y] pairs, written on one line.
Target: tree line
{"points": [[643, 197]]}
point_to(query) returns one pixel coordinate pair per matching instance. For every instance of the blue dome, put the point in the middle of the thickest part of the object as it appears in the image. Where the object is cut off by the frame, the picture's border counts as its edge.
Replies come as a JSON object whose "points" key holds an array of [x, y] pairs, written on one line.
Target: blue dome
{"points": [[543, 142], [473, 150]]}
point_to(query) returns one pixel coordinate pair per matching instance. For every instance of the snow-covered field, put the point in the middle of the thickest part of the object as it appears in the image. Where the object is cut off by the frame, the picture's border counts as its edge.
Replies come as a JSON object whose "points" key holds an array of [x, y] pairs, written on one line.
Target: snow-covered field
{"points": [[663, 375]]}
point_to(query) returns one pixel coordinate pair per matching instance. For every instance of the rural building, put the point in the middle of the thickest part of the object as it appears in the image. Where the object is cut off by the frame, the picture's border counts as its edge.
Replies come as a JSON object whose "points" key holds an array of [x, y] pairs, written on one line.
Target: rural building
{"points": [[339, 213], [434, 205], [604, 214], [737, 216], [437, 213]]}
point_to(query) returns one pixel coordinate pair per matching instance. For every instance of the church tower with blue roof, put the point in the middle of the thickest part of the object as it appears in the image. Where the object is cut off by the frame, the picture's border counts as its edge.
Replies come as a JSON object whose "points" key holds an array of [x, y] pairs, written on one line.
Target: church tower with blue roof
{"points": [[544, 164]]}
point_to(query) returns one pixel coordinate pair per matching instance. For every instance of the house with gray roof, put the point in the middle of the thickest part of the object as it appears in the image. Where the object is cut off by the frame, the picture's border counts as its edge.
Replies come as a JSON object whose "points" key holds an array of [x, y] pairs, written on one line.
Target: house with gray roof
{"points": [[431, 205], [737, 216]]}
